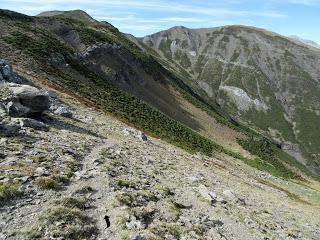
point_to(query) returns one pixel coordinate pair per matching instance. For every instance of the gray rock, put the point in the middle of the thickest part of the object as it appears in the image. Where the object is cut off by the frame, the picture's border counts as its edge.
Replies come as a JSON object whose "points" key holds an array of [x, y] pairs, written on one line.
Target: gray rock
{"points": [[41, 171], [137, 237], [7, 74], [3, 111], [6, 71], [16, 109], [1, 78], [3, 141], [9, 129], [31, 97], [135, 225], [63, 111], [32, 123], [15, 78], [57, 59], [135, 133]]}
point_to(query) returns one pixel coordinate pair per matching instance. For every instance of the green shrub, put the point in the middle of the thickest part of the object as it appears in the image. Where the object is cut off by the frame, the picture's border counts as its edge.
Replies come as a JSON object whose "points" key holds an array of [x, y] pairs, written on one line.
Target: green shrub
{"points": [[9, 191], [46, 183]]}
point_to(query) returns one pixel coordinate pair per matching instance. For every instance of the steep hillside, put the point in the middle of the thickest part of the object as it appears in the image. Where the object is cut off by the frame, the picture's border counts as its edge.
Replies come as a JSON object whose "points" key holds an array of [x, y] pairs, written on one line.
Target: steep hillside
{"points": [[69, 181], [96, 62], [261, 78], [75, 164]]}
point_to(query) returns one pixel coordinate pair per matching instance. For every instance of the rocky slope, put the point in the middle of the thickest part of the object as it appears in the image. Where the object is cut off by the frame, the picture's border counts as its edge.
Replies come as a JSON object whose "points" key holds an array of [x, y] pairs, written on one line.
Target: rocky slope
{"points": [[74, 166], [266, 80], [93, 177]]}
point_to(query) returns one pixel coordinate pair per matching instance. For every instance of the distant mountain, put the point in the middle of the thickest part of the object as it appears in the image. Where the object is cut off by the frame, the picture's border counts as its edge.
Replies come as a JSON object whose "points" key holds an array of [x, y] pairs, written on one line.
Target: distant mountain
{"points": [[75, 14], [259, 77], [304, 41]]}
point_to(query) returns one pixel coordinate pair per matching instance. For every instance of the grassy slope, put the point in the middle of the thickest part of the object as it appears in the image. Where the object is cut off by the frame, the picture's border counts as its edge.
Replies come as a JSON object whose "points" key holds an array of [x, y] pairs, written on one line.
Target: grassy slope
{"points": [[39, 44]]}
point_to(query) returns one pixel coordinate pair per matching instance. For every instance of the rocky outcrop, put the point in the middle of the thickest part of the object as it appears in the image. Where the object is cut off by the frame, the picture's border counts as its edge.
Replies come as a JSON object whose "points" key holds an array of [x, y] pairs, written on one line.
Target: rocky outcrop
{"points": [[7, 74], [135, 133], [35, 100]]}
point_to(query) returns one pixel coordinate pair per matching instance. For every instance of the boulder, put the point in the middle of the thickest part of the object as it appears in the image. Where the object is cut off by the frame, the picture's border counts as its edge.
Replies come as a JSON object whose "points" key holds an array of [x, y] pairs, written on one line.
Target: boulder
{"points": [[25, 99], [37, 100]]}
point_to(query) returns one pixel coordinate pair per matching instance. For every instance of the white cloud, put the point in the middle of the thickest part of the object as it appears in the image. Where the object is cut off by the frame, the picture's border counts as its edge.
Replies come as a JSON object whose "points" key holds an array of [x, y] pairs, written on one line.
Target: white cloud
{"points": [[156, 6]]}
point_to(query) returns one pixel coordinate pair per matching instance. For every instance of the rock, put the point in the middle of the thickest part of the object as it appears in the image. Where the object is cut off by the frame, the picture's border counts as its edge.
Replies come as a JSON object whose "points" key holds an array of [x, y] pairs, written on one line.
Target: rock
{"points": [[3, 141], [7, 74], [6, 70], [3, 111], [1, 78], [135, 225], [16, 109], [135, 133], [9, 129], [41, 171], [22, 179], [228, 194], [63, 111], [137, 237], [57, 59], [31, 123], [36, 100], [212, 197]]}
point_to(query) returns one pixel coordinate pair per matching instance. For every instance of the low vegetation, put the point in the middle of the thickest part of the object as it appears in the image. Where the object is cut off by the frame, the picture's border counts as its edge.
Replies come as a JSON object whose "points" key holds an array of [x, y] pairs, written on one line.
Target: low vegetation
{"points": [[66, 220], [8, 192], [46, 183]]}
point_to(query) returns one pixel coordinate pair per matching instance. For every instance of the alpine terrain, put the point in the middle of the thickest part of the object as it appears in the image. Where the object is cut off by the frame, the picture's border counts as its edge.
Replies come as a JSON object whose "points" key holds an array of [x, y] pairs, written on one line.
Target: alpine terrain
{"points": [[184, 134], [268, 81]]}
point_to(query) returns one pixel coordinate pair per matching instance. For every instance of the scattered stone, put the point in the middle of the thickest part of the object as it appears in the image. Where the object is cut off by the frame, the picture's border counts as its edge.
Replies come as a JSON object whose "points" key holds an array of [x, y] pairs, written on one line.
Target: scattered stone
{"points": [[137, 237], [8, 129], [63, 111], [7, 74], [3, 141], [41, 171], [135, 225], [32, 123], [16, 109], [135, 133], [3, 111]]}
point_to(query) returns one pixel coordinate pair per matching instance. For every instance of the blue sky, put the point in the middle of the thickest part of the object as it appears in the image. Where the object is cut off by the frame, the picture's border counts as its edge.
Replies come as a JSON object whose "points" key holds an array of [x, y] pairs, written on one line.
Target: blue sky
{"points": [[142, 17]]}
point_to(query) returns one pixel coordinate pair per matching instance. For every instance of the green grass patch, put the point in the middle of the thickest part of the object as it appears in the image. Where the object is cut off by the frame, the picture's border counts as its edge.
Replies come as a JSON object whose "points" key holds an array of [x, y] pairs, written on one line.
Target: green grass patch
{"points": [[9, 191], [46, 183]]}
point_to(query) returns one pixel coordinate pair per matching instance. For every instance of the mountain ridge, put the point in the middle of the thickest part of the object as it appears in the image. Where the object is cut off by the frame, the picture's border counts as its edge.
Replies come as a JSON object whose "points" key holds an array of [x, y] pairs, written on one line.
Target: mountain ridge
{"points": [[186, 51], [100, 139]]}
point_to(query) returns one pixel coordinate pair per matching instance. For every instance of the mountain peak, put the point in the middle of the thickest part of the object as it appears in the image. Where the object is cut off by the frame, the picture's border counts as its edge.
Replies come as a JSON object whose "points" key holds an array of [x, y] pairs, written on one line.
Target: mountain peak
{"points": [[75, 14]]}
